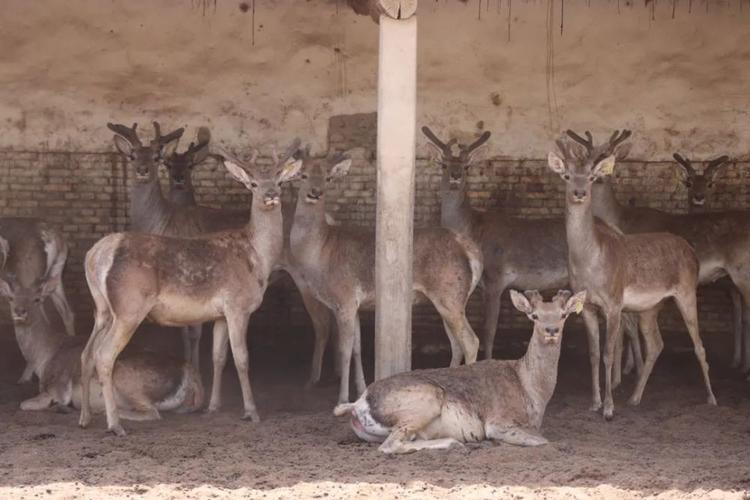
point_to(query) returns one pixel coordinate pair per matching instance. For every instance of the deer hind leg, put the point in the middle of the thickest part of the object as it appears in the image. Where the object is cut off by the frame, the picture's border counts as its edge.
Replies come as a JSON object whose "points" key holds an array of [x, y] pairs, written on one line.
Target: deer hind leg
{"points": [[514, 435], [219, 355], [453, 312], [617, 363], [457, 353], [27, 375], [345, 322], [237, 326], [634, 353], [191, 342], [359, 373], [320, 316], [592, 330], [737, 307], [102, 323], [689, 309], [614, 332], [63, 308], [492, 293], [413, 416], [41, 401], [654, 345]]}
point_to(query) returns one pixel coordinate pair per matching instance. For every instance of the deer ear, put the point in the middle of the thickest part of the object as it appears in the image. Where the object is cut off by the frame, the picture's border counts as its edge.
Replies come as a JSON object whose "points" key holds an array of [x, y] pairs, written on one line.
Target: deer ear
{"points": [[169, 148], [238, 173], [605, 167], [575, 303], [290, 170], [341, 168], [123, 146], [6, 290], [556, 164], [48, 285], [521, 302]]}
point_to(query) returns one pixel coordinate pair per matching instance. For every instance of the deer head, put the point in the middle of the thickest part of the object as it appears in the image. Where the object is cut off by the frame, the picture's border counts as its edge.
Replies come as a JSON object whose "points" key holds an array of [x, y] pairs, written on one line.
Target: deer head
{"points": [[548, 317], [180, 165], [264, 181], [25, 299], [583, 163], [144, 159], [455, 160], [317, 173], [699, 185]]}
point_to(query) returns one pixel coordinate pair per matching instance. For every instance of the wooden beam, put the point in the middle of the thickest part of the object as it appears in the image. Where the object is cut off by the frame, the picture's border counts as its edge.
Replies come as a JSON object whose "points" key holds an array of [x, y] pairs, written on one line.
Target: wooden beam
{"points": [[395, 9], [397, 101]]}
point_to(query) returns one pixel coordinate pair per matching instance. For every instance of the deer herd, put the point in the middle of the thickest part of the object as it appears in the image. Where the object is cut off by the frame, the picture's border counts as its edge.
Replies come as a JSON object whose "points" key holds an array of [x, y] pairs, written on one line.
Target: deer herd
{"points": [[183, 264]]}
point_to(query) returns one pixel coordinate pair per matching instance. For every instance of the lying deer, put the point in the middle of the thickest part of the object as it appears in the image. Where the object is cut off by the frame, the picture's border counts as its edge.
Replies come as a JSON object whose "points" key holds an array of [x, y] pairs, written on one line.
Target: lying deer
{"points": [[144, 383], [186, 281], [29, 250], [623, 272], [700, 187], [517, 252], [497, 400], [337, 265]]}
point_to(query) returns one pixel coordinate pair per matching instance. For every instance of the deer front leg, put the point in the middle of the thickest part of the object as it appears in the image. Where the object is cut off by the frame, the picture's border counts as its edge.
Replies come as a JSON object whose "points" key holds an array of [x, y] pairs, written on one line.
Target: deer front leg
{"points": [[39, 402], [514, 435], [101, 325], [320, 316], [345, 322], [734, 294], [219, 357], [492, 293], [592, 330], [654, 346], [237, 326], [26, 376], [614, 332], [191, 343]]}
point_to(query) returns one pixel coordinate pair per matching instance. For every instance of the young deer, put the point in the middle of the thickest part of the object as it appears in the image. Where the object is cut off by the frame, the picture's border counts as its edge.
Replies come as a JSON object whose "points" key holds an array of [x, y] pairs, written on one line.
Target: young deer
{"points": [[337, 264], [623, 272], [186, 281], [700, 186], [498, 400], [144, 383], [517, 252], [29, 250]]}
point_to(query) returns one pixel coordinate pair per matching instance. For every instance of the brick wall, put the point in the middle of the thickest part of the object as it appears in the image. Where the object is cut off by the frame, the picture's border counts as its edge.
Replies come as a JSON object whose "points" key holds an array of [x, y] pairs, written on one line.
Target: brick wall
{"points": [[86, 195]]}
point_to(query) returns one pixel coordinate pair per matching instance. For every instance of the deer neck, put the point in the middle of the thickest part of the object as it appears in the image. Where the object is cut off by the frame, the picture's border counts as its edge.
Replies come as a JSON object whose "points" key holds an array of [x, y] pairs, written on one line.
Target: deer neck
{"points": [[455, 211], [38, 340], [265, 230], [580, 233], [182, 197], [537, 371], [149, 210], [605, 204], [309, 229]]}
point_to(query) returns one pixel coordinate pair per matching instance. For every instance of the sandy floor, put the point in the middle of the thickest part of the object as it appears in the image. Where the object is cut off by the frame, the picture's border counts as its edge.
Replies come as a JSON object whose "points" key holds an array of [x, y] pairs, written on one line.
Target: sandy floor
{"points": [[673, 446]]}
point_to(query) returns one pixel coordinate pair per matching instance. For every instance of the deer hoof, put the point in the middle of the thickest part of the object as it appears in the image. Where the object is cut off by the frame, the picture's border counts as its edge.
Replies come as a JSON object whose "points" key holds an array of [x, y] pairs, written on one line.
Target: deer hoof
{"points": [[251, 415], [633, 401], [712, 400], [595, 407], [117, 430], [609, 413], [84, 421]]}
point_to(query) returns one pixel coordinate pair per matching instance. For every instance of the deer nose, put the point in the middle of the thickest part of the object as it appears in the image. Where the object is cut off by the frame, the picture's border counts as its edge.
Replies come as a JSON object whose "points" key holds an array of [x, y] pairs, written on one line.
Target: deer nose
{"points": [[552, 330], [579, 193], [317, 193]]}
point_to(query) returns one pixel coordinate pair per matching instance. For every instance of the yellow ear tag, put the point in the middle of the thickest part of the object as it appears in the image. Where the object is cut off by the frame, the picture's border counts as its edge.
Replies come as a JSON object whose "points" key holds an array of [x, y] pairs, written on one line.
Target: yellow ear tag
{"points": [[609, 169], [579, 307]]}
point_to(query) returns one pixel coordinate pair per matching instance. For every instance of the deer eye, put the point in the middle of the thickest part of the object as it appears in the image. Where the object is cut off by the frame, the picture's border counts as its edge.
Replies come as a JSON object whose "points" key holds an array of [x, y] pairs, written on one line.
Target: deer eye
{"points": [[534, 316], [710, 184], [254, 184], [328, 179], [689, 183], [304, 176], [566, 177], [38, 300]]}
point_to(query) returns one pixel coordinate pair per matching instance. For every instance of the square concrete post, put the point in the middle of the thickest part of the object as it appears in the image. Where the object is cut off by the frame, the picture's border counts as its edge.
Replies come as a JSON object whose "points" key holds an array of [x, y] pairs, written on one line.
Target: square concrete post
{"points": [[397, 100]]}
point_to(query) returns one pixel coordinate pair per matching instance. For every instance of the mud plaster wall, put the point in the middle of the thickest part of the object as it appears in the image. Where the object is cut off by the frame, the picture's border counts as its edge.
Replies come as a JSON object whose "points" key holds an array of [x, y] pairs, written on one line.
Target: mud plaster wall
{"points": [[308, 69]]}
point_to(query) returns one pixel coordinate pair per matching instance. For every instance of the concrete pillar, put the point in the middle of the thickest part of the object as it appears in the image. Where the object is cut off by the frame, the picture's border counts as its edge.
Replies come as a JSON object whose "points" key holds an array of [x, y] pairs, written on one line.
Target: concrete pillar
{"points": [[397, 100]]}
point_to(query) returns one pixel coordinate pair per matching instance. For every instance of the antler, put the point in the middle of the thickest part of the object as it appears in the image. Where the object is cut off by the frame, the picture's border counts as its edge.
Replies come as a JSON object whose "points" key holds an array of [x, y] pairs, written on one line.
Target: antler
{"points": [[534, 296], [445, 148], [587, 143], [617, 138], [126, 132], [686, 164], [714, 165], [160, 140], [467, 150], [203, 138]]}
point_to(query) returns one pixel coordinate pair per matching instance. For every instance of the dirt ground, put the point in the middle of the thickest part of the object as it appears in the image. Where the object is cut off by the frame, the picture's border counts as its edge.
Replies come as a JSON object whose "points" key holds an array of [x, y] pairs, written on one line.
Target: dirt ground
{"points": [[672, 446]]}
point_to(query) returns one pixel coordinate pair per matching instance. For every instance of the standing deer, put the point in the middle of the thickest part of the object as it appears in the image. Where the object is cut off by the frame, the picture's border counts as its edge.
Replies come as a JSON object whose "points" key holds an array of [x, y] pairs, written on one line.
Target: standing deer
{"points": [[721, 239], [144, 383], [623, 272], [187, 281], [700, 186], [337, 265], [29, 250], [517, 252], [499, 400]]}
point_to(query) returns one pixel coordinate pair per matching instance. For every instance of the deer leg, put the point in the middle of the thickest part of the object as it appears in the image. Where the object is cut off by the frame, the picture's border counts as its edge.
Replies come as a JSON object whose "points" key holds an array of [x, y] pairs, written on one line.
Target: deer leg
{"points": [[320, 316], [191, 342], [102, 323], [219, 356], [26, 376], [617, 363], [689, 309], [457, 326], [39, 402], [634, 354], [457, 354], [359, 374], [592, 330], [614, 331], [237, 326], [654, 345], [108, 347], [345, 320], [514, 435], [63, 308], [734, 294], [492, 293]]}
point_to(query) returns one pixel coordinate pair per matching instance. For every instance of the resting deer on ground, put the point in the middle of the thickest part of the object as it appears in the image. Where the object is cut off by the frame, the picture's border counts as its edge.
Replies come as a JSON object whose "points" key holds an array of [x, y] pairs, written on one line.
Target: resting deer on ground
{"points": [[185, 281], [700, 187], [144, 383], [721, 239], [497, 400], [337, 264], [180, 167], [29, 250], [517, 252], [623, 272]]}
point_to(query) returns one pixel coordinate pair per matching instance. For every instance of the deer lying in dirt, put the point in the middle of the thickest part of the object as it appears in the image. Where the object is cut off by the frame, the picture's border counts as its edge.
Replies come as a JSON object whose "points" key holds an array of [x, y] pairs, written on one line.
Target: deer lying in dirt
{"points": [[498, 400], [186, 281], [30, 250], [623, 272], [144, 383], [337, 265]]}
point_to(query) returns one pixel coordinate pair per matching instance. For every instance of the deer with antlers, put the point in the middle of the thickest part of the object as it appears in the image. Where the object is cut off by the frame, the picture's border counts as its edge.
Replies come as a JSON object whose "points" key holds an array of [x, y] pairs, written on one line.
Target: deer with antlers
{"points": [[623, 272], [517, 252], [721, 239], [186, 281]]}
